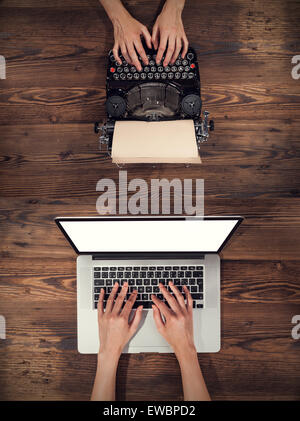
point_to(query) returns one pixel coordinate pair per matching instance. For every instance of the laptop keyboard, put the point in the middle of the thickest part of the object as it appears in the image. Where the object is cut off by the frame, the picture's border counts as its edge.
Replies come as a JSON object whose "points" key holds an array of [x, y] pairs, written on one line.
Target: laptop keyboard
{"points": [[146, 279]]}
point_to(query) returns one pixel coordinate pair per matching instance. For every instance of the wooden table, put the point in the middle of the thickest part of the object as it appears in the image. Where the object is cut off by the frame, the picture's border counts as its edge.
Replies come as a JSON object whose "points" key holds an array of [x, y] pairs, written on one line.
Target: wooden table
{"points": [[50, 164]]}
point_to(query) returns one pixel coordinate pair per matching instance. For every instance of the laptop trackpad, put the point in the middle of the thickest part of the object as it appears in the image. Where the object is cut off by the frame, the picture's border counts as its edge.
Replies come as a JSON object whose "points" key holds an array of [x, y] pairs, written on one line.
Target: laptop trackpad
{"points": [[147, 334]]}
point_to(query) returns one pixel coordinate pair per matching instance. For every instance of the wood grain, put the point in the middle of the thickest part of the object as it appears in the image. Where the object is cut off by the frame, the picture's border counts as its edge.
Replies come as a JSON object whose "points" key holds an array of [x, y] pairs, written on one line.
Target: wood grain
{"points": [[50, 163]]}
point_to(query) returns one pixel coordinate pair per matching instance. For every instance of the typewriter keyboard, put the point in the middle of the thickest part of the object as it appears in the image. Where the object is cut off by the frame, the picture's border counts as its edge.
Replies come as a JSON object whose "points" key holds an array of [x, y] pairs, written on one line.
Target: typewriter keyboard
{"points": [[180, 70]]}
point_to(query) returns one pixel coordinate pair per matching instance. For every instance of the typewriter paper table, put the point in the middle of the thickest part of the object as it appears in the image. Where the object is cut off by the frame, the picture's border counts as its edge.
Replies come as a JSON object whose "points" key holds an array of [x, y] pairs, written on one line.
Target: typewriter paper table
{"points": [[155, 142]]}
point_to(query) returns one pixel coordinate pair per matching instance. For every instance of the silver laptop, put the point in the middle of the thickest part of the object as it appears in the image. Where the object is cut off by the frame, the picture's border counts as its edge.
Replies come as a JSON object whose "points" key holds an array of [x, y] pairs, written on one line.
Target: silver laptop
{"points": [[144, 251]]}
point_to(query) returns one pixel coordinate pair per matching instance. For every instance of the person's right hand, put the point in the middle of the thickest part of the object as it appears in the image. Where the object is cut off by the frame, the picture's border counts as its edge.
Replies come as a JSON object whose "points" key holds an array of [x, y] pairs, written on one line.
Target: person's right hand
{"points": [[127, 33], [177, 329]]}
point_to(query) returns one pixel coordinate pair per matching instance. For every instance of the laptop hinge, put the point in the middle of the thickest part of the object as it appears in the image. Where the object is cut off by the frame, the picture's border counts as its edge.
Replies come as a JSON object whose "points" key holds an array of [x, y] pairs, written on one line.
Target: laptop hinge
{"points": [[147, 256]]}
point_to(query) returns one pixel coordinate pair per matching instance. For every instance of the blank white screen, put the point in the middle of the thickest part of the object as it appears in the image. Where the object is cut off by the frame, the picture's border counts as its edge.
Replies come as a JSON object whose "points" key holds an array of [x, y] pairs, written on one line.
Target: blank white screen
{"points": [[148, 236]]}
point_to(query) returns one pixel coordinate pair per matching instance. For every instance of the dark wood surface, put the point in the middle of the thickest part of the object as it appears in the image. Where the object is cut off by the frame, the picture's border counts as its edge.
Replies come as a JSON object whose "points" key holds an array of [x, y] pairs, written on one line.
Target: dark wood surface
{"points": [[50, 164]]}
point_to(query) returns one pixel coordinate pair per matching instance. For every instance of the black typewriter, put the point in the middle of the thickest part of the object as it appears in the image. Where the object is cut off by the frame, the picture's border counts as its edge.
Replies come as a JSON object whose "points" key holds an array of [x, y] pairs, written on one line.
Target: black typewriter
{"points": [[155, 93]]}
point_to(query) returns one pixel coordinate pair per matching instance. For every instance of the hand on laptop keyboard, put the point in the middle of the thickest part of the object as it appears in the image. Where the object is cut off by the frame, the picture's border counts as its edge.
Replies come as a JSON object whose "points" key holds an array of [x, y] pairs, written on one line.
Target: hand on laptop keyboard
{"points": [[114, 327], [177, 329]]}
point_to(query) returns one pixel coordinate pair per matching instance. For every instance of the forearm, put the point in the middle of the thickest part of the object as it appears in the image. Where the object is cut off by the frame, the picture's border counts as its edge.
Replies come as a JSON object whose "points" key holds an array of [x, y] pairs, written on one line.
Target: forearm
{"points": [[114, 9], [194, 387], [104, 388]]}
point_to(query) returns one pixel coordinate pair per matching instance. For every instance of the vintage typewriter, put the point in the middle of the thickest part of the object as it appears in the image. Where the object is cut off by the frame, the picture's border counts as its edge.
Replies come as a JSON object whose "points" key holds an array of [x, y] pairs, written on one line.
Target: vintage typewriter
{"points": [[153, 94]]}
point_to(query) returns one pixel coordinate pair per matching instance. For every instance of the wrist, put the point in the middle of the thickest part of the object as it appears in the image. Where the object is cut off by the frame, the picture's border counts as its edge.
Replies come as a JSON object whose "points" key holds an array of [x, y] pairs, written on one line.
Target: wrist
{"points": [[174, 5], [109, 358], [186, 353]]}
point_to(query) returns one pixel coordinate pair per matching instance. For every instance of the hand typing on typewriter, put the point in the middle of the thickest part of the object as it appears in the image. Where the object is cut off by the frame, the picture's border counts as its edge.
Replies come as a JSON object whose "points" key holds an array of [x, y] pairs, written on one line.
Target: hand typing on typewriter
{"points": [[168, 34], [115, 331], [127, 33]]}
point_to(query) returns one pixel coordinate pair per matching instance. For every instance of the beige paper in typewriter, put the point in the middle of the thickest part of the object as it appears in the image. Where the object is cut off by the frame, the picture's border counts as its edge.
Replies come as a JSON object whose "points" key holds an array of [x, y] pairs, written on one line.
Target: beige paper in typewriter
{"points": [[155, 142]]}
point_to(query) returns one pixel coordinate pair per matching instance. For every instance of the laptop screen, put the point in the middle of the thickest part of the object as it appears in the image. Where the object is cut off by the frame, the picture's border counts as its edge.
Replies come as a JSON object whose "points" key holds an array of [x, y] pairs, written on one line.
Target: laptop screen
{"points": [[148, 235]]}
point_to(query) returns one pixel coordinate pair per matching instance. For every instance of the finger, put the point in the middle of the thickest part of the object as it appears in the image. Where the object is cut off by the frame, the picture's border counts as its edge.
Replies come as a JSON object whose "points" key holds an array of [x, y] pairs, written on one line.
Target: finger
{"points": [[110, 301], [185, 46], [170, 51], [177, 50], [154, 37], [161, 48], [136, 320], [133, 57], [100, 303], [119, 301], [129, 303], [171, 300], [162, 306], [188, 298], [141, 51], [157, 318], [147, 36], [178, 295], [116, 53], [125, 53]]}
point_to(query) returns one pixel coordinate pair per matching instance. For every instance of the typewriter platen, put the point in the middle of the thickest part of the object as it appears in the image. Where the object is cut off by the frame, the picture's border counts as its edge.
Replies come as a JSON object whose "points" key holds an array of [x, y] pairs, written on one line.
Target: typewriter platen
{"points": [[155, 93]]}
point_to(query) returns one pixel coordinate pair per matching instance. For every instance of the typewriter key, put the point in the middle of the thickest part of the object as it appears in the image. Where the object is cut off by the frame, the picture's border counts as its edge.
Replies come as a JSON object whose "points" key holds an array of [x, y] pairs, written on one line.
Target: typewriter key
{"points": [[156, 75], [120, 69], [160, 69], [191, 75], [174, 69], [126, 69], [177, 75], [122, 76], [180, 68], [187, 68], [133, 69], [167, 69], [178, 62], [150, 75], [146, 69], [184, 75], [129, 76], [164, 75], [143, 75], [136, 76], [153, 69], [184, 62], [116, 76], [190, 56], [170, 75], [152, 63]]}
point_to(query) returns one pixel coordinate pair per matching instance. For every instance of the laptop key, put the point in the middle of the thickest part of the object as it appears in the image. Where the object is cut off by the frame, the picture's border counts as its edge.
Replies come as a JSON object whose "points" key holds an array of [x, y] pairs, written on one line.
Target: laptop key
{"points": [[154, 282], [97, 290], [192, 268], [160, 268], [152, 267], [96, 305], [120, 274], [184, 282], [175, 268], [99, 282], [199, 267], [180, 274], [96, 297], [192, 281], [197, 274], [168, 267], [183, 267], [143, 274], [131, 282], [160, 297], [162, 281], [112, 274], [145, 297], [146, 281], [156, 290], [165, 274], [127, 275], [144, 268], [199, 305], [194, 288], [158, 274], [147, 304], [140, 289], [150, 274], [104, 274], [97, 275], [176, 282], [129, 268], [105, 268], [197, 296], [188, 274], [139, 282], [135, 274], [173, 274], [149, 290], [121, 268]]}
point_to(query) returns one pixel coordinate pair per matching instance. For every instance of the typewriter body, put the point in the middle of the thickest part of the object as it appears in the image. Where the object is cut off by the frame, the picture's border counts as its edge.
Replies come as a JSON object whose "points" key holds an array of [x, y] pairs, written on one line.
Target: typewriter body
{"points": [[154, 94]]}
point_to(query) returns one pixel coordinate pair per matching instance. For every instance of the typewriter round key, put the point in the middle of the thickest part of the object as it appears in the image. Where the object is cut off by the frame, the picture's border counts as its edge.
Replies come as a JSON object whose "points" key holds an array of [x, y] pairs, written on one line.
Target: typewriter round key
{"points": [[126, 69], [156, 75], [160, 69], [177, 75], [174, 69], [129, 76], [153, 69], [112, 70], [116, 76], [187, 68], [185, 62], [146, 69], [193, 66], [164, 75], [170, 75], [120, 69], [122, 76], [184, 75], [150, 75], [136, 76], [167, 69], [178, 62], [191, 75], [180, 68], [133, 69], [152, 63], [190, 56], [143, 75]]}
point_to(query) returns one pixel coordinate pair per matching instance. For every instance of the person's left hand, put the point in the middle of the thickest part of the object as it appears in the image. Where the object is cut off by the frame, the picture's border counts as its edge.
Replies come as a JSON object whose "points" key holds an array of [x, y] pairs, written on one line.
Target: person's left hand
{"points": [[115, 329], [168, 34]]}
